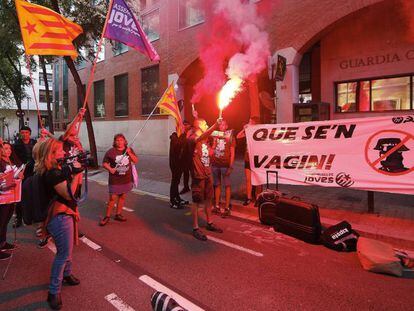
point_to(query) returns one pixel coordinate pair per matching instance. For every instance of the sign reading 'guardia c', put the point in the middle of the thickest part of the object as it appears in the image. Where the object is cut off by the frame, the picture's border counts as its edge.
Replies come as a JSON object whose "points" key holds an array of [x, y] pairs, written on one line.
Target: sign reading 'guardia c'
{"points": [[376, 60]]}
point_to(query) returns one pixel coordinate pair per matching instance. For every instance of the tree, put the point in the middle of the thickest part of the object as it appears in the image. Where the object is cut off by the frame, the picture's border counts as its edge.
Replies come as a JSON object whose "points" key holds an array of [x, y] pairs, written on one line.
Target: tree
{"points": [[12, 81], [90, 15]]}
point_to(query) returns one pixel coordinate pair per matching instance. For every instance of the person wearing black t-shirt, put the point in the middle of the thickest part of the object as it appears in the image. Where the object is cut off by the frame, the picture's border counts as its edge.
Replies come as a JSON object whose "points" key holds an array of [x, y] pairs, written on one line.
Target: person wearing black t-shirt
{"points": [[63, 215]]}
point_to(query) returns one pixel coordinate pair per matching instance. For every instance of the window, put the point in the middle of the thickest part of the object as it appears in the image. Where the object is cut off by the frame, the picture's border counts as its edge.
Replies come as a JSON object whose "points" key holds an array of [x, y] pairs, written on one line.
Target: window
{"points": [[150, 88], [191, 12], [385, 94], [305, 75], [143, 4], [80, 102], [99, 98], [81, 60], [65, 97], [119, 48], [56, 88], [42, 96], [151, 25], [49, 79], [121, 95], [101, 55]]}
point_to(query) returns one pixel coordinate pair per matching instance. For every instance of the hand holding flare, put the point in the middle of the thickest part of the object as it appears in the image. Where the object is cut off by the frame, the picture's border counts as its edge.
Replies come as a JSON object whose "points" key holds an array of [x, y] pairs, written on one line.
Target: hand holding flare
{"points": [[228, 92]]}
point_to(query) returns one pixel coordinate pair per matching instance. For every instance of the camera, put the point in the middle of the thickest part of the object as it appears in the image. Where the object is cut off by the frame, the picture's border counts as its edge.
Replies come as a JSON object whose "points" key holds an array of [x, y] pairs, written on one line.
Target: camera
{"points": [[67, 163]]}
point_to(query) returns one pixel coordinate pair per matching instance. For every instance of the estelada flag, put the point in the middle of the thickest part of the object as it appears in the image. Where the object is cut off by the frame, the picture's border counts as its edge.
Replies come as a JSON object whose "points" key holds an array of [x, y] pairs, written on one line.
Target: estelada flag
{"points": [[122, 26], [168, 105], [46, 32]]}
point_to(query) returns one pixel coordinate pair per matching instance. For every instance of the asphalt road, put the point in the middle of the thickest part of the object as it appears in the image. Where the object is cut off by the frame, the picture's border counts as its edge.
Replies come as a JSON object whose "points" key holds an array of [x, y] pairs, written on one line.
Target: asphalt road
{"points": [[248, 267]]}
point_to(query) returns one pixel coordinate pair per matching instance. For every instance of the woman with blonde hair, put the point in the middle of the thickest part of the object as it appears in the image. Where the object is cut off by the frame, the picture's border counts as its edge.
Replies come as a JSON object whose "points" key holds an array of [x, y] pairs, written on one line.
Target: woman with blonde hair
{"points": [[62, 217]]}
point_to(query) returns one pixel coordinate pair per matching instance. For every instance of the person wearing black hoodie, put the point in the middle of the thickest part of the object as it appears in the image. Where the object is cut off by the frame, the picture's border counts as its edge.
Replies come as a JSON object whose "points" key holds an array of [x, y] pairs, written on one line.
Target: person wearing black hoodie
{"points": [[23, 150]]}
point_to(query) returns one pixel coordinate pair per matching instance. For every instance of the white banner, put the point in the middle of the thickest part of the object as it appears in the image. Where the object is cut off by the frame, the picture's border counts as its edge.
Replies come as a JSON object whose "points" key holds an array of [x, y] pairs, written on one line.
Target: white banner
{"points": [[368, 153]]}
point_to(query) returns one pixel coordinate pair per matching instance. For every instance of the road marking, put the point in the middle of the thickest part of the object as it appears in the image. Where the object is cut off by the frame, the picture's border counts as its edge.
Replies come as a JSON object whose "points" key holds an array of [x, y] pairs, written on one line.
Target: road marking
{"points": [[91, 244], [155, 195], [52, 247], [186, 304], [127, 209], [117, 302], [235, 246]]}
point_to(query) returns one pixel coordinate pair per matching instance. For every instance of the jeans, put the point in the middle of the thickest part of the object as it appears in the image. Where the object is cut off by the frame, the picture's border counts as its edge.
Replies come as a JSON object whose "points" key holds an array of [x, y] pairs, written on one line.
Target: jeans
{"points": [[61, 229]]}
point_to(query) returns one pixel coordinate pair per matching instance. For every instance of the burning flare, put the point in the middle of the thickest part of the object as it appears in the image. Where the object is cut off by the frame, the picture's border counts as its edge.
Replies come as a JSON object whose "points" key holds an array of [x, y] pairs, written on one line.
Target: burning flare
{"points": [[228, 92]]}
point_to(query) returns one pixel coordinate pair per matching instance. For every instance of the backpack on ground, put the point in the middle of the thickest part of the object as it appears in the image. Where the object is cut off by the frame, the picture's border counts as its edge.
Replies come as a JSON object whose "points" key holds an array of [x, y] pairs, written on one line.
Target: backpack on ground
{"points": [[35, 201], [340, 237]]}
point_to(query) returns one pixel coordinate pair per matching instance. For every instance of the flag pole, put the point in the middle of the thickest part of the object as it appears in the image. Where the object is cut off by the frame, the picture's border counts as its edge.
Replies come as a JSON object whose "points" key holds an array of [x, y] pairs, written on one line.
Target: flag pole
{"points": [[88, 89], [149, 116], [34, 92]]}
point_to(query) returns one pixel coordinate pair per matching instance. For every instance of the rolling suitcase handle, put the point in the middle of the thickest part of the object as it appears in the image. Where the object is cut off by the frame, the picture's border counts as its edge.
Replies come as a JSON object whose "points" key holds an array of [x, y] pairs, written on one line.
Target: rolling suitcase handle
{"points": [[277, 178]]}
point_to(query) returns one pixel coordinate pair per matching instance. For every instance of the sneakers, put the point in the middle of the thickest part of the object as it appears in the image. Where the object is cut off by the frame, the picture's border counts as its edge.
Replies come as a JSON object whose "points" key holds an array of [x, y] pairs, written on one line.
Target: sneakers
{"points": [[18, 223], [4, 256], [119, 217], [54, 301], [198, 234], [184, 202], [8, 247], [43, 242], [212, 227], [216, 210], [70, 280], [225, 213], [176, 205], [104, 221], [185, 190], [247, 202]]}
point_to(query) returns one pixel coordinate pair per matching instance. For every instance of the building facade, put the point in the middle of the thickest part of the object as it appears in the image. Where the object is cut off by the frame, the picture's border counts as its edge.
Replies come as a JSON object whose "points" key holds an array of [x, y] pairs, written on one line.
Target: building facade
{"points": [[356, 56], [9, 122]]}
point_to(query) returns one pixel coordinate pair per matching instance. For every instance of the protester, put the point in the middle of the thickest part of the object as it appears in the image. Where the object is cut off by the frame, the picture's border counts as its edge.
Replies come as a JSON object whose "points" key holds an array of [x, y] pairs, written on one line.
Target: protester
{"points": [[23, 149], [202, 184], [176, 159], [6, 210], [118, 162], [247, 171], [62, 218], [224, 146], [187, 158]]}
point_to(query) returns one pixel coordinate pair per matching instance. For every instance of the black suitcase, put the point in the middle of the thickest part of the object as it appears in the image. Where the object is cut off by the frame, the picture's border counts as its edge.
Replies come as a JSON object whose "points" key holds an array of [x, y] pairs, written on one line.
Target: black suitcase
{"points": [[298, 219], [267, 202]]}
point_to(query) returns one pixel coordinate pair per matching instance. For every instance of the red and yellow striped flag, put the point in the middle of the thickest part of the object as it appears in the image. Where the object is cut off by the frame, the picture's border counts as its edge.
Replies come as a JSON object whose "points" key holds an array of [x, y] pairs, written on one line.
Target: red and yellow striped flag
{"points": [[168, 105], [46, 32]]}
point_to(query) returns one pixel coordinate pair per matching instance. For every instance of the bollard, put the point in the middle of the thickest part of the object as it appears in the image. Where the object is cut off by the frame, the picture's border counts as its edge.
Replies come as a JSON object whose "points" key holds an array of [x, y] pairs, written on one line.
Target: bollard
{"points": [[163, 302]]}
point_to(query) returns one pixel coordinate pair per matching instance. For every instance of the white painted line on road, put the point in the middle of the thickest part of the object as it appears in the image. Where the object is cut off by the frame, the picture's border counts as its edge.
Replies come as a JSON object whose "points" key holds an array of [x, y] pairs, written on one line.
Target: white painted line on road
{"points": [[155, 195], [52, 247], [127, 209], [117, 302], [186, 304], [235, 246], [91, 244]]}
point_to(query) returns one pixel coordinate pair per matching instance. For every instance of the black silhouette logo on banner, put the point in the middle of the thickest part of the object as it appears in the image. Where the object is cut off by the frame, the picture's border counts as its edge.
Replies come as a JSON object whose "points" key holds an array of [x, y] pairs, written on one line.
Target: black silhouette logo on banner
{"points": [[393, 162]]}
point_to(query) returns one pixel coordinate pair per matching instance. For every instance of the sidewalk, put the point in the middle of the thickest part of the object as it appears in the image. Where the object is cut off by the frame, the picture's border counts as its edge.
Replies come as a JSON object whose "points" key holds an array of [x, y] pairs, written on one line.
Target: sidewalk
{"points": [[393, 220]]}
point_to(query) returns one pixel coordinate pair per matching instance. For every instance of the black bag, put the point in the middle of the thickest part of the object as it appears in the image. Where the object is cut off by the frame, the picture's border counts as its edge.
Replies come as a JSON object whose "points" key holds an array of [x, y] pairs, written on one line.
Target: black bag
{"points": [[35, 201], [267, 202], [340, 237], [298, 219]]}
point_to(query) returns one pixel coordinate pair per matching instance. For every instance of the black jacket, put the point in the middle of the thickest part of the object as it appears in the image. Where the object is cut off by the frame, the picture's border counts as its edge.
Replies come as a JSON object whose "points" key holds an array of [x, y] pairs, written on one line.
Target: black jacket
{"points": [[20, 151]]}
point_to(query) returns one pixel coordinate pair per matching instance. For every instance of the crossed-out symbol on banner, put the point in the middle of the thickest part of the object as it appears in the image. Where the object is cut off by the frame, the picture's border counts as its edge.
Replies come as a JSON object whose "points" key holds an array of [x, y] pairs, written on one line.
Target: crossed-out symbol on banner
{"points": [[399, 140]]}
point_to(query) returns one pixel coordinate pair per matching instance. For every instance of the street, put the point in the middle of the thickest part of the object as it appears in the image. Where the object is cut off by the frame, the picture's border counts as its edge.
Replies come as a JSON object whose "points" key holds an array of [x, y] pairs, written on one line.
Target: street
{"points": [[248, 267]]}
